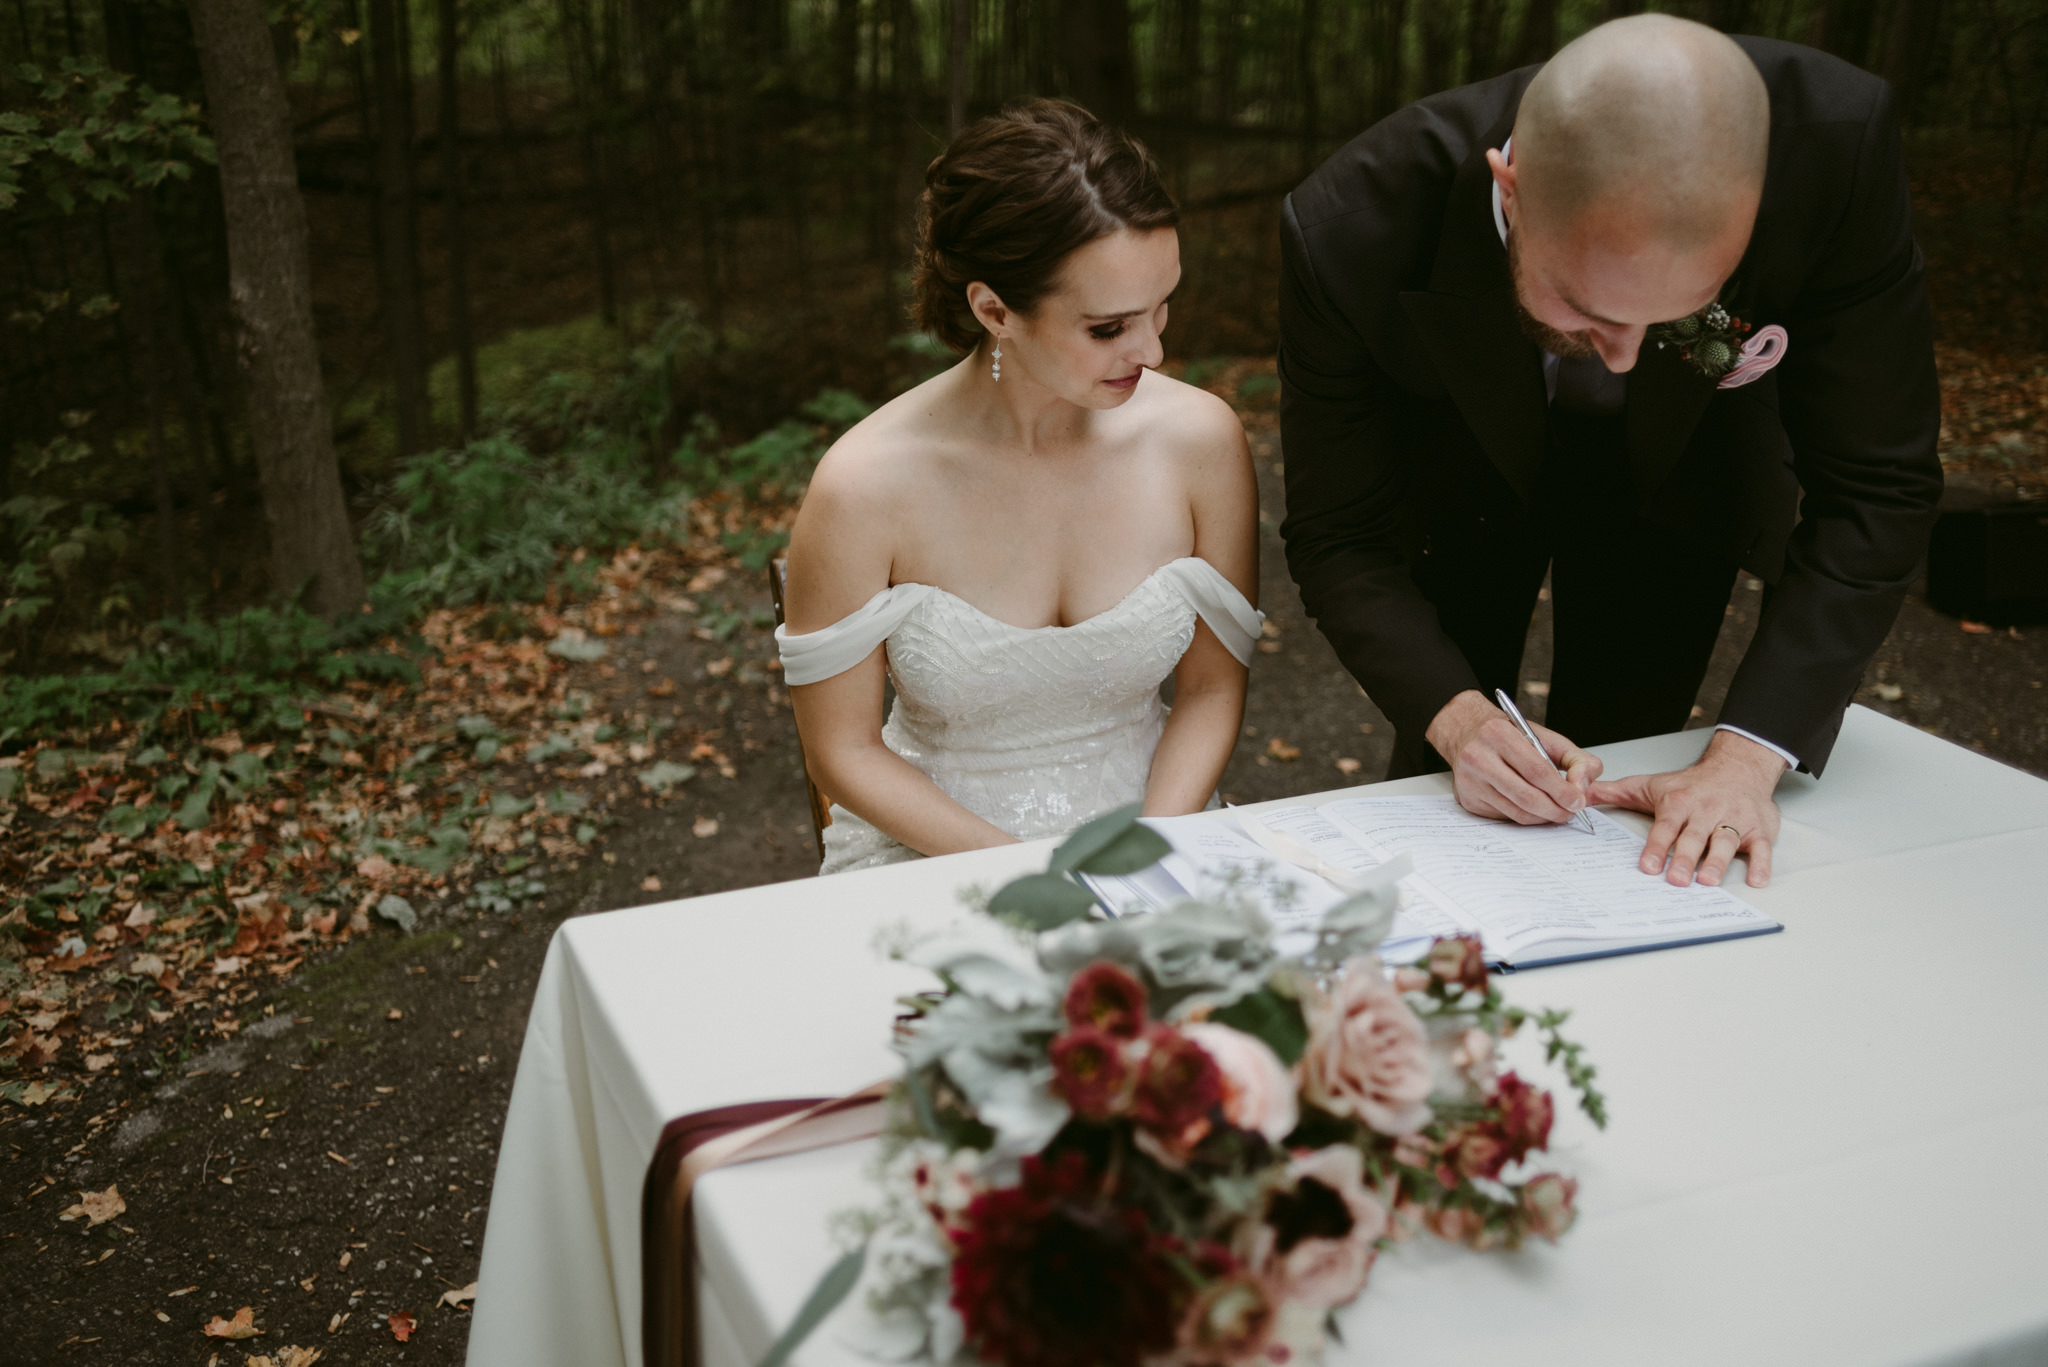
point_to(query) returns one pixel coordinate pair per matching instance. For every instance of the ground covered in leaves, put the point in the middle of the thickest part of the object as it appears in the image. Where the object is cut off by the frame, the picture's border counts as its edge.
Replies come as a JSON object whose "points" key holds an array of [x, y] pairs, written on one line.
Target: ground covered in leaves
{"points": [[261, 999]]}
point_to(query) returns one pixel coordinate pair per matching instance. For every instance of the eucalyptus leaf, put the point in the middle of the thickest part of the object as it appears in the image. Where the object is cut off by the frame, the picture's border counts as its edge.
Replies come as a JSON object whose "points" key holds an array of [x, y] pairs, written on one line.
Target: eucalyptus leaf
{"points": [[1138, 847], [832, 1288], [1041, 901], [1093, 838]]}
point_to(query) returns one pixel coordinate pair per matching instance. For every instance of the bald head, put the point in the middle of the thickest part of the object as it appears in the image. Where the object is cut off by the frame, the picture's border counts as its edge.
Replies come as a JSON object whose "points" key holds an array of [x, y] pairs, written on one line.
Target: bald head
{"points": [[1657, 125]]}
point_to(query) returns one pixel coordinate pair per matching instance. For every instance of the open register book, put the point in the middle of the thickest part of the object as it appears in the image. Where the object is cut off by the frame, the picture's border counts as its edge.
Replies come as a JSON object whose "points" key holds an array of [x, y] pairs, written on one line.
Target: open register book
{"points": [[1532, 894]]}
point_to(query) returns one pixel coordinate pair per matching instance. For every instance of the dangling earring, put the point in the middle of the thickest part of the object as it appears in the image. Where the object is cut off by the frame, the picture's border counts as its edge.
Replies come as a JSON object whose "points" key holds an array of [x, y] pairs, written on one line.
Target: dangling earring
{"points": [[995, 363]]}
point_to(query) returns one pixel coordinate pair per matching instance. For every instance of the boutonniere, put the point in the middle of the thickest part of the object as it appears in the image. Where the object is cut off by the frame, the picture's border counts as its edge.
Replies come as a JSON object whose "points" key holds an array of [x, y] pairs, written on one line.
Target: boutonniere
{"points": [[1719, 346]]}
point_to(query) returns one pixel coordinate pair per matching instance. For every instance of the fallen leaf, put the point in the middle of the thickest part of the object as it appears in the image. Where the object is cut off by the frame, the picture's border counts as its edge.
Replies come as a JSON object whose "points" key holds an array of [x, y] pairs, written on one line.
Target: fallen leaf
{"points": [[666, 774], [377, 869], [345, 1163], [397, 910], [161, 1316], [1348, 767], [306, 1283], [705, 827], [402, 1324], [184, 1291], [1281, 750], [459, 1296], [662, 689], [1976, 628], [346, 1256], [1269, 647], [228, 965], [96, 1207], [340, 1318], [650, 884], [242, 1326], [140, 918], [292, 1356], [1888, 692], [394, 1014], [98, 1062], [1536, 688]]}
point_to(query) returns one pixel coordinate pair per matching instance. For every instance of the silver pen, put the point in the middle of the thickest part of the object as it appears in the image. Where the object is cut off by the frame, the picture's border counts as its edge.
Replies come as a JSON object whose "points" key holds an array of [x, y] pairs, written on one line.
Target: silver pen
{"points": [[1507, 705]]}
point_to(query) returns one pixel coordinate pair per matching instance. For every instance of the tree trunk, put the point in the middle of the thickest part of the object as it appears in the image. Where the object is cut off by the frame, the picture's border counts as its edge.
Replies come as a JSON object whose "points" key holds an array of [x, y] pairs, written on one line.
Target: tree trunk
{"points": [[312, 547], [1909, 51], [1391, 18], [956, 69], [398, 241], [1095, 48], [1305, 78], [1482, 43], [457, 238], [1537, 38]]}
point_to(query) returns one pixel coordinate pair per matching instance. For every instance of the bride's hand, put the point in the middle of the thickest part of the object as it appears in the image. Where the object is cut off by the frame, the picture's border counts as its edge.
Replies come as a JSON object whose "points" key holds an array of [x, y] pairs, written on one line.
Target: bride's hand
{"points": [[1497, 772]]}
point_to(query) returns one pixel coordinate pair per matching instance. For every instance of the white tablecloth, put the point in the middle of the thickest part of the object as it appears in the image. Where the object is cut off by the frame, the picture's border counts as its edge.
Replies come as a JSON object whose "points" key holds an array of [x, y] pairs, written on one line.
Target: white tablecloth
{"points": [[1825, 1145]]}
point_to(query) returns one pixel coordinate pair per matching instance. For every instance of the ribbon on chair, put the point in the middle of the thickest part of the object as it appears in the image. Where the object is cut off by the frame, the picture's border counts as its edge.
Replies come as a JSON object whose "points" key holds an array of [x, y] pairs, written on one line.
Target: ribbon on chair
{"points": [[671, 1333]]}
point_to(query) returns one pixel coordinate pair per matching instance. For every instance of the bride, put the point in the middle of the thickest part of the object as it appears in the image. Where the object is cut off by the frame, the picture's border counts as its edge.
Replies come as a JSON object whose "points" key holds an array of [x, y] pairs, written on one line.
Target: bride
{"points": [[1029, 543]]}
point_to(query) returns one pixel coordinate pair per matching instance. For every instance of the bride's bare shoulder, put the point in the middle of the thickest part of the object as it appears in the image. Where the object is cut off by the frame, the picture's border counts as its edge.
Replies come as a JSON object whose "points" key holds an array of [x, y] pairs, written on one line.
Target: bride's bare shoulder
{"points": [[879, 458], [1198, 426]]}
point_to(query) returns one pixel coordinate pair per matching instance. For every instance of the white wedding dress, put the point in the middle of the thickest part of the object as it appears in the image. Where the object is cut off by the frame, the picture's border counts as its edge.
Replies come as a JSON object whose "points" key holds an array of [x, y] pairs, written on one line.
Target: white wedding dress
{"points": [[1034, 729]]}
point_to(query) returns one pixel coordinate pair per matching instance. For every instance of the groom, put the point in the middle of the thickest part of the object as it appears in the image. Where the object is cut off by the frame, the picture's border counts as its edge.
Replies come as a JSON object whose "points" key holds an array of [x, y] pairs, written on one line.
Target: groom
{"points": [[1475, 391]]}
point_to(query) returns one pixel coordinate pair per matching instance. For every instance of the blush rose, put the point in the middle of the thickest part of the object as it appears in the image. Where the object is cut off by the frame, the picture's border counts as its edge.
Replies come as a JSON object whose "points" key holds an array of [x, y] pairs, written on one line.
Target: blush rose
{"points": [[1258, 1090], [1367, 1055]]}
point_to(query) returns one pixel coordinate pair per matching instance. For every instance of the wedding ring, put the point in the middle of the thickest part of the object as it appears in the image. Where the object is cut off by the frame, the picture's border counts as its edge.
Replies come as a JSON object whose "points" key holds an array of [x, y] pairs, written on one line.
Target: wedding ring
{"points": [[1731, 830]]}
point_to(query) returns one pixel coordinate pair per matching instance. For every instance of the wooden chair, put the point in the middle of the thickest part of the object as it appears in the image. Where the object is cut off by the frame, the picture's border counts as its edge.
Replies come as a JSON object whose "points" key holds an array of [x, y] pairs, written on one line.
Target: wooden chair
{"points": [[821, 805]]}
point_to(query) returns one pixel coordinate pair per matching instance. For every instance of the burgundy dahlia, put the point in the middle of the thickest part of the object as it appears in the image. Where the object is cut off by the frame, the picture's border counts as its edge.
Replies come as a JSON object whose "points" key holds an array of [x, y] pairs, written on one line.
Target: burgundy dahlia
{"points": [[1049, 1273], [1525, 1115], [1459, 961], [1178, 1083], [1106, 997], [1089, 1072]]}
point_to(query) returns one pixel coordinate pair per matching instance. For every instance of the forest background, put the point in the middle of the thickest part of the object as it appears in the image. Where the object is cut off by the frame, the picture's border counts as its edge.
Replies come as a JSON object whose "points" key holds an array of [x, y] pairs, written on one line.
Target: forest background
{"points": [[535, 221], [399, 401]]}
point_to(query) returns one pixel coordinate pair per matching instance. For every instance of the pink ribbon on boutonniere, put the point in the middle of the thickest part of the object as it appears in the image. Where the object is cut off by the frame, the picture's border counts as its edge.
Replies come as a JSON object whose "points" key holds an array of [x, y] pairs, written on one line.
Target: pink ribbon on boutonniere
{"points": [[1759, 354]]}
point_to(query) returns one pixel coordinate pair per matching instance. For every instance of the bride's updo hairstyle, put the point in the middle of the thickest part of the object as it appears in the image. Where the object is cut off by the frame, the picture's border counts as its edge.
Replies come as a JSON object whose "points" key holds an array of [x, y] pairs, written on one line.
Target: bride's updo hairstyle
{"points": [[1012, 196]]}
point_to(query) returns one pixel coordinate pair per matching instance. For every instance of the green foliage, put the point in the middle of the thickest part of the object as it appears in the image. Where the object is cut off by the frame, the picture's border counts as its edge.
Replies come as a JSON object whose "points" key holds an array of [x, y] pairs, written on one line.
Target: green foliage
{"points": [[1267, 1015], [47, 540], [488, 523], [95, 134], [778, 462], [246, 670]]}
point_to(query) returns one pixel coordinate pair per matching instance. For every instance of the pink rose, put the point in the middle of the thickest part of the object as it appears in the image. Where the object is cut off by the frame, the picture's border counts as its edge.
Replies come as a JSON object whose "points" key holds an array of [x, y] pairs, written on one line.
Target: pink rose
{"points": [[1312, 1256], [1258, 1091], [1547, 1202], [1367, 1055]]}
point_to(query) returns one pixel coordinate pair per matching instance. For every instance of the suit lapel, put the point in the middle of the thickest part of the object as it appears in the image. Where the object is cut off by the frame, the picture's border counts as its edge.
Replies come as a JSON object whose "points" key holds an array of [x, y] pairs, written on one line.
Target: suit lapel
{"points": [[1466, 319], [1494, 375], [1666, 398]]}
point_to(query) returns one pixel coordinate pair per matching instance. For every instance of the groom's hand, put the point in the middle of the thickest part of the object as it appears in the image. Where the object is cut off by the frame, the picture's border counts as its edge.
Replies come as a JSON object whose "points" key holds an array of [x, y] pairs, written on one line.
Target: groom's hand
{"points": [[1708, 813], [1499, 774]]}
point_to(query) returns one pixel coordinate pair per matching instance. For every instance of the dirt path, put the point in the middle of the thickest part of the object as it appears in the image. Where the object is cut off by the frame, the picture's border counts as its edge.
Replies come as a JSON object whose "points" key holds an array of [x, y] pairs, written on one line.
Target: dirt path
{"points": [[330, 1165]]}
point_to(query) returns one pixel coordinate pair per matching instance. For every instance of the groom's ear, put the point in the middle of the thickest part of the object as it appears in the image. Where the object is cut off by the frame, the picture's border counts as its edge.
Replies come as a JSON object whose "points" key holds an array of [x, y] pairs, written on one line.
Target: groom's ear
{"points": [[987, 306], [1504, 177]]}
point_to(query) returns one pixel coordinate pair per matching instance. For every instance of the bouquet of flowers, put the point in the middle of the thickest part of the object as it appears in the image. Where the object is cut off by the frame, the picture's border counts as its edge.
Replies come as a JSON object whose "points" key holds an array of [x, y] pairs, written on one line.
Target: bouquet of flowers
{"points": [[1161, 1140]]}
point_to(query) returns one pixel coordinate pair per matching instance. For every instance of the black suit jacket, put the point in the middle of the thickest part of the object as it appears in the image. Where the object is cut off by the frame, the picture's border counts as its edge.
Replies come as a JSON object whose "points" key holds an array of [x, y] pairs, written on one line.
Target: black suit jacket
{"points": [[1410, 397]]}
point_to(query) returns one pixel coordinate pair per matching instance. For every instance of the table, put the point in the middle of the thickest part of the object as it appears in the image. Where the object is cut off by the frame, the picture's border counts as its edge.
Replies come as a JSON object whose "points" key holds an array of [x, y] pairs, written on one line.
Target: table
{"points": [[1824, 1148]]}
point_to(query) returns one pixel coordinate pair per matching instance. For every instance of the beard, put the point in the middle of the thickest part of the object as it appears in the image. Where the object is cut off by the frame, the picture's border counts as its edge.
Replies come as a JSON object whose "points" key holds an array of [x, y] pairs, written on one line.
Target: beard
{"points": [[1572, 346]]}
